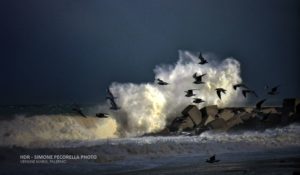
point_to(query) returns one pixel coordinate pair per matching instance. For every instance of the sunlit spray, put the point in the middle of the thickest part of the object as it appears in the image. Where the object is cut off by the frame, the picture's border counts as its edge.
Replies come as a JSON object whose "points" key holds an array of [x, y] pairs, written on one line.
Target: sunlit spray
{"points": [[146, 107]]}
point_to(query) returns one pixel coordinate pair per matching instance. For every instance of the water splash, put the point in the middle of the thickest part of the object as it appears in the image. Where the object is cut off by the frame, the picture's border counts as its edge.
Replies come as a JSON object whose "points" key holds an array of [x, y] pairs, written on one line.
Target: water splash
{"points": [[147, 107]]}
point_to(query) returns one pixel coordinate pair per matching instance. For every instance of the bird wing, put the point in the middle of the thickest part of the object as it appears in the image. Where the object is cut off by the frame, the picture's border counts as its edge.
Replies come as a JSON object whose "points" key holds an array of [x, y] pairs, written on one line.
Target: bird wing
{"points": [[201, 57], [195, 75], [110, 94], [258, 104], [239, 85], [162, 82], [245, 93], [219, 94], [113, 103], [255, 93], [200, 77]]}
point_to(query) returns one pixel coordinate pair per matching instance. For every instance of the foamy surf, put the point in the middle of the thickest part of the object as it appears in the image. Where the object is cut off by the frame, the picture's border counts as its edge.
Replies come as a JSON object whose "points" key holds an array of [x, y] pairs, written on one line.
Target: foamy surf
{"points": [[206, 143], [274, 150], [49, 130]]}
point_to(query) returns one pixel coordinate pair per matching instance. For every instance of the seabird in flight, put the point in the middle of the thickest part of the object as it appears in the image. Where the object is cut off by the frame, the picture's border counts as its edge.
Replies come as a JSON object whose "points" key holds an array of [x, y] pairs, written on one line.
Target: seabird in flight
{"points": [[110, 94], [259, 104], [161, 82], [240, 85], [202, 60], [198, 100], [274, 91], [198, 79], [219, 91], [114, 106], [190, 92], [245, 92]]}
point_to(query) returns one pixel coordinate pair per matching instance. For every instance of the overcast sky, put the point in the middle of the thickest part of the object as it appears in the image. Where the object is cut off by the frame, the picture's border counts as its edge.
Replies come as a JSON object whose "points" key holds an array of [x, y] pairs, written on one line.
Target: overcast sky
{"points": [[65, 51]]}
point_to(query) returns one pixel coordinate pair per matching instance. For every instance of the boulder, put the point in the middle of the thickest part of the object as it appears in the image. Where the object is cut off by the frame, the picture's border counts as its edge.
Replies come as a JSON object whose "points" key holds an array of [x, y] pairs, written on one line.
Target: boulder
{"points": [[244, 116], [208, 120], [249, 109], [226, 114], [235, 120], [217, 124], [186, 125], [290, 110], [208, 114], [269, 110], [210, 110], [290, 105], [273, 120], [193, 112]]}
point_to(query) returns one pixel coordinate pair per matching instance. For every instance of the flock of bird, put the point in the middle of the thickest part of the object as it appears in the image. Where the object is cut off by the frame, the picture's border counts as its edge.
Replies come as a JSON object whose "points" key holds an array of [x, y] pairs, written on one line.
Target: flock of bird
{"points": [[219, 91], [109, 97], [189, 92]]}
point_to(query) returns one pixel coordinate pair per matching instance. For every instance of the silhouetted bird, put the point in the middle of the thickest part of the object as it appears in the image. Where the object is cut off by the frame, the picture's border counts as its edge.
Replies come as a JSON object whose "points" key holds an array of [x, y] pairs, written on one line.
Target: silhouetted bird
{"points": [[198, 79], [190, 92], [161, 82], [102, 115], [202, 60], [77, 109], [114, 106], [212, 159], [258, 104], [198, 100], [245, 92], [274, 91], [219, 91], [239, 86]]}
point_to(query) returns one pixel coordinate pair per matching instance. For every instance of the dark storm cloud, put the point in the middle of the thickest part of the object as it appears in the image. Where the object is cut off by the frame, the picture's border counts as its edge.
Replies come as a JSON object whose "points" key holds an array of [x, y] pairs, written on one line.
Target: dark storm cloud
{"points": [[66, 51]]}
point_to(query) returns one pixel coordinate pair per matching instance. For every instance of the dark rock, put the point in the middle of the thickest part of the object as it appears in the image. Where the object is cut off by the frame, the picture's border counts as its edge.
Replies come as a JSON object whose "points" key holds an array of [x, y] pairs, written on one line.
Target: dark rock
{"points": [[244, 116], [209, 110], [235, 120], [217, 124], [193, 112], [187, 125], [226, 114], [184, 123], [208, 114], [290, 105]]}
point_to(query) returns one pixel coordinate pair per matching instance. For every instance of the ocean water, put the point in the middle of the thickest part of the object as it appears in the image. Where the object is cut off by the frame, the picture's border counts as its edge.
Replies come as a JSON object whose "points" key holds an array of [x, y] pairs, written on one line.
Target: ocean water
{"points": [[23, 130]]}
